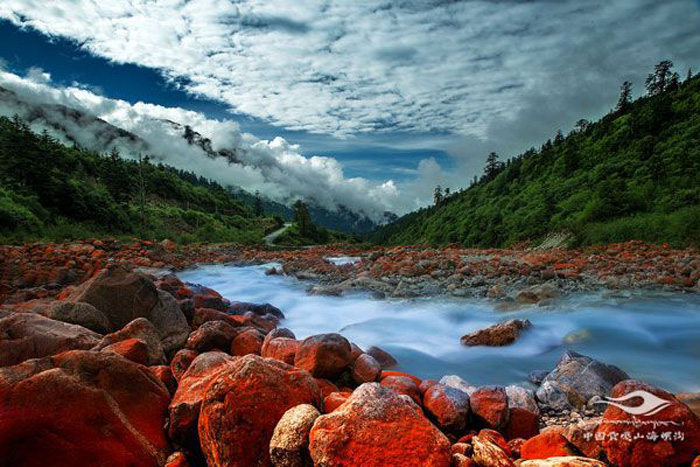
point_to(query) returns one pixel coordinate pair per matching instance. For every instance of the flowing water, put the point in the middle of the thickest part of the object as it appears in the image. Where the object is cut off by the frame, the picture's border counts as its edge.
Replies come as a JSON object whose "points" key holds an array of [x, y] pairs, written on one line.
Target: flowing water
{"points": [[653, 337]]}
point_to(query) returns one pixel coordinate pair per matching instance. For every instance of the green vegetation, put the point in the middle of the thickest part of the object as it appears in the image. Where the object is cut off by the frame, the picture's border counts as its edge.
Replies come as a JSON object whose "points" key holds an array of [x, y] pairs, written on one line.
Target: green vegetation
{"points": [[305, 232], [634, 174], [49, 191]]}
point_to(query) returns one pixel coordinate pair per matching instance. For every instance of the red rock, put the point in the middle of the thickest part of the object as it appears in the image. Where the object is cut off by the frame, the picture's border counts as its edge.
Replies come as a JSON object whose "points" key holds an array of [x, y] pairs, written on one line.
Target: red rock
{"points": [[324, 355], [489, 406], [489, 454], [460, 460], [549, 443], [177, 459], [376, 427], [515, 446], [325, 387], [165, 375], [447, 407], [283, 349], [242, 407], [181, 362], [496, 438], [28, 335], [388, 373], [499, 334], [522, 424], [140, 329], [383, 357], [365, 369], [335, 400], [355, 351], [57, 411], [582, 436], [247, 342], [656, 450], [187, 401], [426, 384], [461, 448], [403, 385], [212, 335], [135, 350]]}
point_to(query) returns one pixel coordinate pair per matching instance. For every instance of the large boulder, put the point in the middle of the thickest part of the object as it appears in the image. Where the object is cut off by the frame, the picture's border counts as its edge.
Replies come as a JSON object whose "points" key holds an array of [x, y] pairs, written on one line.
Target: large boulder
{"points": [[324, 355], [187, 401], [489, 453], [28, 335], [140, 329], [489, 405], [522, 398], [377, 427], [289, 446], [82, 408], [669, 435], [212, 335], [123, 296], [82, 314], [283, 349], [580, 378], [242, 407], [550, 443], [365, 369], [499, 334], [447, 407]]}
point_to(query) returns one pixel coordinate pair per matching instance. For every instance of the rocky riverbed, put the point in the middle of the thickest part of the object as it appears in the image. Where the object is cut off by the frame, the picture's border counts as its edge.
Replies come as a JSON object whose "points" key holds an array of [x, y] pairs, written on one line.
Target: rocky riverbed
{"points": [[104, 365]]}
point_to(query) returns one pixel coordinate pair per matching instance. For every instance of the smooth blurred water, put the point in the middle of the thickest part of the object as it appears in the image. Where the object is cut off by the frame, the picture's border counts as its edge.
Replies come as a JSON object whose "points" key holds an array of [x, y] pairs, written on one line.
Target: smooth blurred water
{"points": [[653, 337]]}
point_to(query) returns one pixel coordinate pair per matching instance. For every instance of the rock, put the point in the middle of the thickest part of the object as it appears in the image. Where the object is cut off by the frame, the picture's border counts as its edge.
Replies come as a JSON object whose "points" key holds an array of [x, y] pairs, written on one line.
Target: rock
{"points": [[187, 401], [582, 436], [499, 334], [582, 377], [456, 382], [489, 454], [383, 357], [537, 293], [654, 442], [447, 407], [123, 296], [426, 384], [496, 438], [82, 314], [335, 400], [260, 309], [325, 387], [324, 355], [356, 351], [141, 329], [181, 362], [388, 373], [567, 461], [522, 424], [691, 399], [522, 398], [515, 445], [460, 460], [177, 459], [462, 448], [132, 349], [212, 335], [283, 349], [289, 445], [547, 444], [165, 375], [242, 407], [247, 342], [489, 405], [376, 427], [403, 385], [365, 369], [537, 376], [82, 408], [27, 335], [553, 396]]}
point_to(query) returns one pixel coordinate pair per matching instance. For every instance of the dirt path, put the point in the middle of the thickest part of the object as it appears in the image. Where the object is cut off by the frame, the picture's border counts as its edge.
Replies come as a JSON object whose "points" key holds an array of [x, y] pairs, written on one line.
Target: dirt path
{"points": [[270, 239]]}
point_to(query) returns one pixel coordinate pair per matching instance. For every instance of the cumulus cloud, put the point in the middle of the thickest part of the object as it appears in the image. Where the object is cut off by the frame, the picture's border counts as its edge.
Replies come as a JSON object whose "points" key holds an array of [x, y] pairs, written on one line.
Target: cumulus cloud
{"points": [[276, 168]]}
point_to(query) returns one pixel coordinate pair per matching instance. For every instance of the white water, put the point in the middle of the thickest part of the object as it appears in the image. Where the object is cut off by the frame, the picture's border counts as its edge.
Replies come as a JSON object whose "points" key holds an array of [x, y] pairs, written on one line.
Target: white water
{"points": [[652, 337]]}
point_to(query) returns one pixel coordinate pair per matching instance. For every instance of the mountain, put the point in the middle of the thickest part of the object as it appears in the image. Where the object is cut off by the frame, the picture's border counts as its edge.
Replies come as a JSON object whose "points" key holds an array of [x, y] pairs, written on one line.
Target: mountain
{"points": [[87, 131], [634, 174], [51, 191]]}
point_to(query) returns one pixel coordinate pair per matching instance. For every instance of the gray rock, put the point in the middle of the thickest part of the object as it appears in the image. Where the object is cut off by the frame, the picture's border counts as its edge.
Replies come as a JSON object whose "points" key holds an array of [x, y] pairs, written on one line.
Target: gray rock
{"points": [[537, 376], [582, 377], [551, 395], [522, 398], [82, 314], [289, 446], [456, 382]]}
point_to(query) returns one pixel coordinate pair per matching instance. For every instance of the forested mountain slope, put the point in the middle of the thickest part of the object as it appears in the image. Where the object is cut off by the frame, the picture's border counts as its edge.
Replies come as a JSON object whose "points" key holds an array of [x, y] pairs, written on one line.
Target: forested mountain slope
{"points": [[634, 174]]}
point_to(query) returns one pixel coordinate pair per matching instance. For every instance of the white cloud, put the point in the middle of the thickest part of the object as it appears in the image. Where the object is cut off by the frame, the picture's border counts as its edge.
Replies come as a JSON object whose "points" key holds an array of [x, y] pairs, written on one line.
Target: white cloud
{"points": [[348, 67], [276, 168]]}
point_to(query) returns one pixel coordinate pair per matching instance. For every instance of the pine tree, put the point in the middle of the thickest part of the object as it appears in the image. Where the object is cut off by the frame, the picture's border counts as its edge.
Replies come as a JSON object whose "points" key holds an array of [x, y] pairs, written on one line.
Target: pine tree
{"points": [[493, 166], [690, 74], [258, 206], [437, 195], [658, 81], [625, 99]]}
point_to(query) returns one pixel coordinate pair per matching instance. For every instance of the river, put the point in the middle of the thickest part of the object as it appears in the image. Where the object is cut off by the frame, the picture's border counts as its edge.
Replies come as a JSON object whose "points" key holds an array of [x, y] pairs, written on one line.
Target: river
{"points": [[652, 336]]}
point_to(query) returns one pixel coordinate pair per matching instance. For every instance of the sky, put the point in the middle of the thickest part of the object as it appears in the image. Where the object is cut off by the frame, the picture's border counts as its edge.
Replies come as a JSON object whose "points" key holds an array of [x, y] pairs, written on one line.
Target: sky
{"points": [[396, 97]]}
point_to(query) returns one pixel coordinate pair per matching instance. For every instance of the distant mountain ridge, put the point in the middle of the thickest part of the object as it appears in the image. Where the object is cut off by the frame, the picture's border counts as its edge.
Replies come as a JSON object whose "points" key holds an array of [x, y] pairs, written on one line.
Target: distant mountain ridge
{"points": [[90, 132]]}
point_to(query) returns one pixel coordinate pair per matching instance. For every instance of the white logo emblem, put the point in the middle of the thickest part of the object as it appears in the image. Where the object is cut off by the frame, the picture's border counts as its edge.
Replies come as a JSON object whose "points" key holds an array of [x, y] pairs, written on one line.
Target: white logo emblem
{"points": [[650, 405]]}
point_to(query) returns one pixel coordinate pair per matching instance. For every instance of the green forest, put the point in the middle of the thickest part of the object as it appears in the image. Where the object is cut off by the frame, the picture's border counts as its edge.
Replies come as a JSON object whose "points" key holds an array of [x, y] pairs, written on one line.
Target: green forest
{"points": [[49, 191], [634, 174]]}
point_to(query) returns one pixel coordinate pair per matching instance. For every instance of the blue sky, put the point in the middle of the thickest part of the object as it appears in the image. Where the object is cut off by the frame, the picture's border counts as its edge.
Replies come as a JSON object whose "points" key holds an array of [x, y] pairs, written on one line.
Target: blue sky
{"points": [[404, 95]]}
